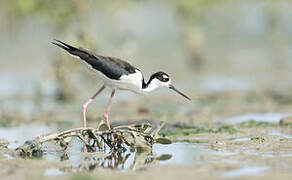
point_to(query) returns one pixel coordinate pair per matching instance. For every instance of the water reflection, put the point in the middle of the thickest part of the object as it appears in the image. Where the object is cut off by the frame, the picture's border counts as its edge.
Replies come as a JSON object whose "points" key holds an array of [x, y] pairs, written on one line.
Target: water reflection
{"points": [[73, 159], [120, 160], [174, 154]]}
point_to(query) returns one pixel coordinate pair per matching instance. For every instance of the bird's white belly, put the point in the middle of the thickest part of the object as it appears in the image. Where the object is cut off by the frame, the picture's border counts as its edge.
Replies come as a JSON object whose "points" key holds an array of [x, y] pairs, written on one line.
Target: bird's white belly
{"points": [[131, 82]]}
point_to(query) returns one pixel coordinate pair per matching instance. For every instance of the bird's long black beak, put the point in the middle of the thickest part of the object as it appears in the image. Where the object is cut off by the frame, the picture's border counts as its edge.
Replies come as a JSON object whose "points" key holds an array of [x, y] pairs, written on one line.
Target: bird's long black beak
{"points": [[173, 88]]}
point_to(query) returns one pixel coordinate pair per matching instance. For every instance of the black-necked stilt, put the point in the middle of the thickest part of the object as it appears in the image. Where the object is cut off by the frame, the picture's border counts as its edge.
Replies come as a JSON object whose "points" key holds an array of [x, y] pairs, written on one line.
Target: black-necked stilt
{"points": [[116, 74]]}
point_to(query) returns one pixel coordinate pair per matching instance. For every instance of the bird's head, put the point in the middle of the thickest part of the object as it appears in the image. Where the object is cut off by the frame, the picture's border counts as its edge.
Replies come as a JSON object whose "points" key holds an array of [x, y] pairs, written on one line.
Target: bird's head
{"points": [[161, 79]]}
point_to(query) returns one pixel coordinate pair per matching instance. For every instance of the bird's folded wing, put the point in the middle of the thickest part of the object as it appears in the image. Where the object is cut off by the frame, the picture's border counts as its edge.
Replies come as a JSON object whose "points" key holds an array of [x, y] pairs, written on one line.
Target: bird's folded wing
{"points": [[111, 67]]}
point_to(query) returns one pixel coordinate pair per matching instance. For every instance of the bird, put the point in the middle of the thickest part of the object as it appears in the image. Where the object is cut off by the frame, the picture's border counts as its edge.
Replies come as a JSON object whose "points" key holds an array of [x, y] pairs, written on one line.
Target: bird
{"points": [[116, 74]]}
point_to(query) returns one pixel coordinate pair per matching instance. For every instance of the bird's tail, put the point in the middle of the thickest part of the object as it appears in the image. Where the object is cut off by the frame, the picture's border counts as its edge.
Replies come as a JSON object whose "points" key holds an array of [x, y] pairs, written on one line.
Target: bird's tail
{"points": [[73, 51]]}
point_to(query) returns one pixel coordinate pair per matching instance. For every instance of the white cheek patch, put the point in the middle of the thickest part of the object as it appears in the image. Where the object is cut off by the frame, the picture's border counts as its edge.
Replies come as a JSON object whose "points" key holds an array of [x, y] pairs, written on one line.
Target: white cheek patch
{"points": [[164, 76]]}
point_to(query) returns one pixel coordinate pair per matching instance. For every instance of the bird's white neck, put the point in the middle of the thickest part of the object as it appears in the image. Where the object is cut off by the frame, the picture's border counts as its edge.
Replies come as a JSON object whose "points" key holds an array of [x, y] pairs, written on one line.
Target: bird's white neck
{"points": [[150, 87]]}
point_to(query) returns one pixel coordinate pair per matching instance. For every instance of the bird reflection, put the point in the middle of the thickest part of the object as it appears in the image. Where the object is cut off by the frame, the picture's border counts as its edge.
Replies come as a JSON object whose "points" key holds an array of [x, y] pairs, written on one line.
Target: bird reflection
{"points": [[117, 160]]}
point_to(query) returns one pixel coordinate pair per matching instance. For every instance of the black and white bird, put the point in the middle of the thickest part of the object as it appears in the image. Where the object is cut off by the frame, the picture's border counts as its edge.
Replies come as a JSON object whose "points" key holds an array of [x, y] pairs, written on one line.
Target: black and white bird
{"points": [[117, 75]]}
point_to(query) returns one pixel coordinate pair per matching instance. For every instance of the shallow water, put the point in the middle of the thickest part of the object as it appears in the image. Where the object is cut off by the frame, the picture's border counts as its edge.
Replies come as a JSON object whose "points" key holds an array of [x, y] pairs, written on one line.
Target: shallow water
{"points": [[175, 153], [172, 154], [259, 117], [241, 139], [281, 134], [53, 172], [16, 136]]}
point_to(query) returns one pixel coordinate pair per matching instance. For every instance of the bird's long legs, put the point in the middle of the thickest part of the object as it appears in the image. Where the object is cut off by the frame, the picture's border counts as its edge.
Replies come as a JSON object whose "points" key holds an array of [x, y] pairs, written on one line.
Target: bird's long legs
{"points": [[105, 115], [84, 106]]}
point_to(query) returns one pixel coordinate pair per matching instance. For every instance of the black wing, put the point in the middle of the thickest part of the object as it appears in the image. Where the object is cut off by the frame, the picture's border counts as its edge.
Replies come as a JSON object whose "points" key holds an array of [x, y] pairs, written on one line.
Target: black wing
{"points": [[112, 67]]}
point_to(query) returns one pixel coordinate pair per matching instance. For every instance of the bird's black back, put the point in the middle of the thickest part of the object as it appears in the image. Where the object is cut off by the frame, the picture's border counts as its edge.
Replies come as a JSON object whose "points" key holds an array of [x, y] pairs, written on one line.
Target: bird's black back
{"points": [[111, 67]]}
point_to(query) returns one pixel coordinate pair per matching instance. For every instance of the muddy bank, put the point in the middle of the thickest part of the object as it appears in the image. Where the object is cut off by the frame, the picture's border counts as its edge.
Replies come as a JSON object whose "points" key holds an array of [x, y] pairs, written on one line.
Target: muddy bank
{"points": [[248, 149], [216, 136]]}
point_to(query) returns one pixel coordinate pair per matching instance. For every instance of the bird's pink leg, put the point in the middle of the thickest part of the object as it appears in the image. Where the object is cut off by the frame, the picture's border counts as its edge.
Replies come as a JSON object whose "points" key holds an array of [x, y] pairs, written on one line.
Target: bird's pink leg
{"points": [[84, 106], [105, 115]]}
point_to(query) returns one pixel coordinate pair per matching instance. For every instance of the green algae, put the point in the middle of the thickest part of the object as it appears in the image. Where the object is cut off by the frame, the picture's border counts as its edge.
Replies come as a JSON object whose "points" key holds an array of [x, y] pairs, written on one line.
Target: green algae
{"points": [[253, 123], [189, 130]]}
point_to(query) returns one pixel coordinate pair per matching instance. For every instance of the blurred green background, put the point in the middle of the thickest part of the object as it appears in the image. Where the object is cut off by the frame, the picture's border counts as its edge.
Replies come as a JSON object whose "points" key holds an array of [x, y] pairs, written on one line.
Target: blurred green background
{"points": [[207, 46]]}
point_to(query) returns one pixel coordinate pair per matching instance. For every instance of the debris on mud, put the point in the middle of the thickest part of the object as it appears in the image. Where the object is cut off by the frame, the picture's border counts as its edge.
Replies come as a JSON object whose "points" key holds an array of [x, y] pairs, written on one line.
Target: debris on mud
{"points": [[134, 137], [4, 144]]}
